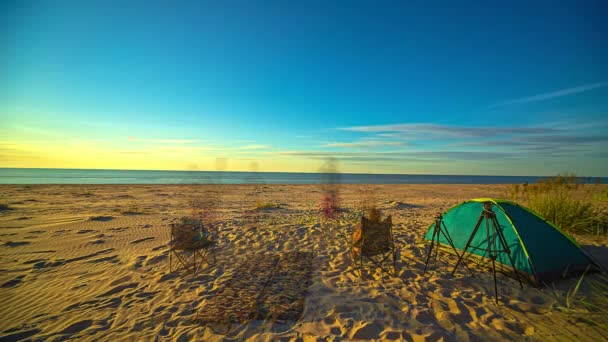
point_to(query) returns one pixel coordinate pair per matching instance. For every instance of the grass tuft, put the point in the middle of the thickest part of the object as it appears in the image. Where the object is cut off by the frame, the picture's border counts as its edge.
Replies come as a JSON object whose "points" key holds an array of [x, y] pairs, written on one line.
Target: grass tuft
{"points": [[266, 205], [586, 300], [133, 209]]}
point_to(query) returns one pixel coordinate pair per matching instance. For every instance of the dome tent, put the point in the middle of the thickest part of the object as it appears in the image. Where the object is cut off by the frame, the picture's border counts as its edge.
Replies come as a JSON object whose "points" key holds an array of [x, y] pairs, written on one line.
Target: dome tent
{"points": [[539, 250]]}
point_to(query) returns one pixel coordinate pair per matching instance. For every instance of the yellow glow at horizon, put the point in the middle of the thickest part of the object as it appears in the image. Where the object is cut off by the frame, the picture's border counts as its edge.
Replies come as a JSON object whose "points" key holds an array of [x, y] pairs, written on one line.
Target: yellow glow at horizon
{"points": [[81, 154]]}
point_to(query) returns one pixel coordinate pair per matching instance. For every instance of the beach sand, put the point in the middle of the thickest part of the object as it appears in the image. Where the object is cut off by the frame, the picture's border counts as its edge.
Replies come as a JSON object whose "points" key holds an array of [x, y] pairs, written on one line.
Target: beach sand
{"points": [[90, 262]]}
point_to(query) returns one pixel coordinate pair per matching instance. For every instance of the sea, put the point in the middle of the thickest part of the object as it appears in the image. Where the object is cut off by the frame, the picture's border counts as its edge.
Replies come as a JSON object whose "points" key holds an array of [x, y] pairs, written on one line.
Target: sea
{"points": [[90, 176]]}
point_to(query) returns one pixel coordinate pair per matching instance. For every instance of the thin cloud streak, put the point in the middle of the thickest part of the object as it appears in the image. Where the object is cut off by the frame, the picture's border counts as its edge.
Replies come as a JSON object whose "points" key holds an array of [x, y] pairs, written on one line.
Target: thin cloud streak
{"points": [[366, 144], [552, 95], [254, 147], [556, 140], [403, 130], [166, 141], [401, 155]]}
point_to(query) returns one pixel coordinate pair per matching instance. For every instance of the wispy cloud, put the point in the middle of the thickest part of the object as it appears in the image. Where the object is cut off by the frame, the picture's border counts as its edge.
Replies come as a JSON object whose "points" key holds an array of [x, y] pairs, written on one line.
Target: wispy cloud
{"points": [[255, 147], [165, 141], [134, 152], [552, 95], [422, 156], [556, 140], [567, 139], [366, 144], [409, 130]]}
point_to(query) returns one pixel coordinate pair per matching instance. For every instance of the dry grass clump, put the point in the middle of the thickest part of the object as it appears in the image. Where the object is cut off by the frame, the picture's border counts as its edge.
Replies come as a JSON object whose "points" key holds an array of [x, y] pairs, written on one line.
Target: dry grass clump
{"points": [[586, 300], [133, 209], [567, 201], [267, 205], [374, 214]]}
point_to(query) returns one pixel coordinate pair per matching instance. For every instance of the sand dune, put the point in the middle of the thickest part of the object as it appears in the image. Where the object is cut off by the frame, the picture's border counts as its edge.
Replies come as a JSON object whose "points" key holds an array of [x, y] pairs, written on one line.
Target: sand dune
{"points": [[91, 263]]}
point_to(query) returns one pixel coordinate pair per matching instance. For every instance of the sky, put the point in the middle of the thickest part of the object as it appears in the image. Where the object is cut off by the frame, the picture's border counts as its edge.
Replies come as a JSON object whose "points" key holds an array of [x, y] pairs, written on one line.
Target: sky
{"points": [[430, 87]]}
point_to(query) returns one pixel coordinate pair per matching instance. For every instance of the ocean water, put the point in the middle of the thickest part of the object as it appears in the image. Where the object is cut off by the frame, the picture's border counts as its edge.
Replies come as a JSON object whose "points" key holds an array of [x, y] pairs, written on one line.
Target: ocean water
{"points": [[81, 176]]}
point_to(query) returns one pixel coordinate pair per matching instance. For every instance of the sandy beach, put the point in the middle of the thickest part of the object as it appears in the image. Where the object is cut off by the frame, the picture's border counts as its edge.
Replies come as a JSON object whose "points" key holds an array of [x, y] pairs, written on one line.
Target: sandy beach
{"points": [[90, 262]]}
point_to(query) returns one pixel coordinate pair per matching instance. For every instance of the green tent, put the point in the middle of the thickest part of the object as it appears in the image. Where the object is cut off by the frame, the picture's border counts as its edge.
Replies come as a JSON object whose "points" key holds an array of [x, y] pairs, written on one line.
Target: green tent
{"points": [[540, 251]]}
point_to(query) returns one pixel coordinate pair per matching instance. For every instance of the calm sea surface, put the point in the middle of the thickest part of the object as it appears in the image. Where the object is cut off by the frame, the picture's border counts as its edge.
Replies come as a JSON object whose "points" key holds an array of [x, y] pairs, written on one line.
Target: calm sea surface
{"points": [[79, 176]]}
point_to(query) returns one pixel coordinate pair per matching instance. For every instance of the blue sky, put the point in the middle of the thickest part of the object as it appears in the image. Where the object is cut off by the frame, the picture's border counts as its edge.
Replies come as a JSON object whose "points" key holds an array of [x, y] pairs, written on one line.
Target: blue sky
{"points": [[503, 88]]}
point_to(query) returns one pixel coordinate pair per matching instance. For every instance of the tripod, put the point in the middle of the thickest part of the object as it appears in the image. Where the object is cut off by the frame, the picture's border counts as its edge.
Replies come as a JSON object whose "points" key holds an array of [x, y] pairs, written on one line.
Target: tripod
{"points": [[440, 228], [494, 235]]}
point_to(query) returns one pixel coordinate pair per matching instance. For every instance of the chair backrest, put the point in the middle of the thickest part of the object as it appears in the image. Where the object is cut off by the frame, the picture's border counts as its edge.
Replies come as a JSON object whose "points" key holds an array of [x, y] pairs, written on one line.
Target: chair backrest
{"points": [[183, 235], [376, 236]]}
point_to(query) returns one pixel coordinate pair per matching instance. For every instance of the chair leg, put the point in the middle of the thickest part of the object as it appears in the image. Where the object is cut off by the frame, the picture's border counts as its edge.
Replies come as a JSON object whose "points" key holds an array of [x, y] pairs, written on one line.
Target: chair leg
{"points": [[394, 263], [360, 265], [184, 262]]}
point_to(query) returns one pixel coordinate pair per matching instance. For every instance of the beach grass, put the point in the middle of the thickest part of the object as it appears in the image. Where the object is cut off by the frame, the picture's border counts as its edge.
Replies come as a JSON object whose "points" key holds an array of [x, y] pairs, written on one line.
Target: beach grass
{"points": [[568, 201], [586, 300], [267, 205]]}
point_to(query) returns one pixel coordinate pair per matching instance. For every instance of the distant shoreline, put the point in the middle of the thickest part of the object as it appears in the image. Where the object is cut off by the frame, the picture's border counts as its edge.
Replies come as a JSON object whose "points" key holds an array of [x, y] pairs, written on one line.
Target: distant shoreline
{"points": [[94, 176]]}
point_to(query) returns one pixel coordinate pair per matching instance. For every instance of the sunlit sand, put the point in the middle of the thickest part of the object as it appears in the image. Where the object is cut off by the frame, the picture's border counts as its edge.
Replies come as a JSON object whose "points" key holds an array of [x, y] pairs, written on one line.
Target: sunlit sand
{"points": [[91, 262]]}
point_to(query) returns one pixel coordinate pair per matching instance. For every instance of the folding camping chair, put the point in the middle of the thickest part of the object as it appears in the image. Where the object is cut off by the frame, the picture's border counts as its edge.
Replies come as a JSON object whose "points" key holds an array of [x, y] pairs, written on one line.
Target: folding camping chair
{"points": [[375, 245], [190, 251]]}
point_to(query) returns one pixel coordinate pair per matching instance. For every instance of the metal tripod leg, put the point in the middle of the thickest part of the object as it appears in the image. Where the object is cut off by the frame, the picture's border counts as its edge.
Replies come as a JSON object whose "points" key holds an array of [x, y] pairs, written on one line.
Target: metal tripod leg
{"points": [[464, 251], [494, 273], [446, 233], [428, 257], [437, 247], [503, 241], [491, 255]]}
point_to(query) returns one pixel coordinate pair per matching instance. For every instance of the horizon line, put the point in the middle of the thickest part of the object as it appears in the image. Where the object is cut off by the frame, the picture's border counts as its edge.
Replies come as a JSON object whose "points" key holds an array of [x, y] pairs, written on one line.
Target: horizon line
{"points": [[346, 173]]}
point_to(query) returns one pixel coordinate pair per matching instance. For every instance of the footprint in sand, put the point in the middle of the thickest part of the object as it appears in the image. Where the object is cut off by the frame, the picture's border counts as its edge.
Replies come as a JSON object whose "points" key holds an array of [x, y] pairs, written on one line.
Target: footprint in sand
{"points": [[369, 331], [156, 259], [118, 289], [14, 282], [159, 247], [16, 243], [77, 327], [142, 240], [113, 259], [84, 231], [120, 280], [101, 218], [140, 261], [33, 261], [21, 335]]}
